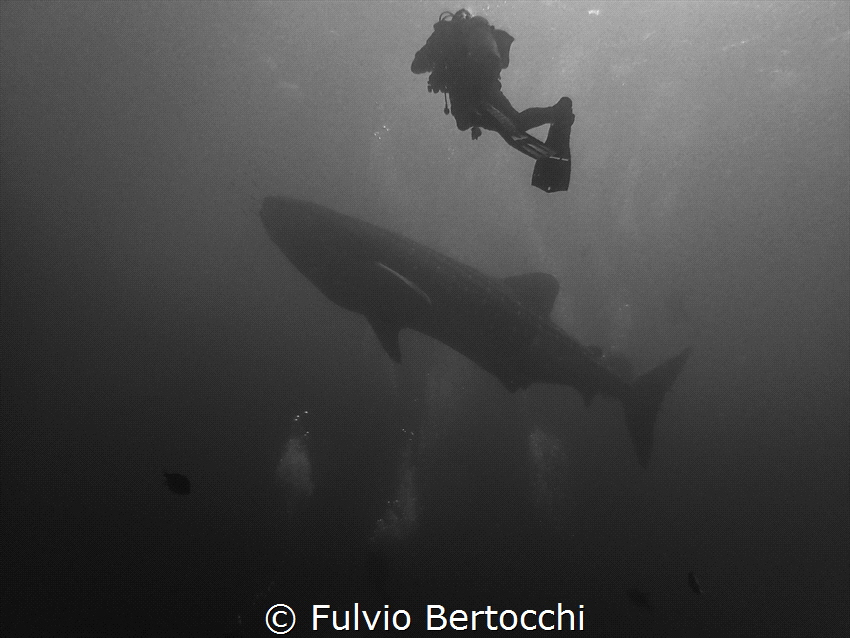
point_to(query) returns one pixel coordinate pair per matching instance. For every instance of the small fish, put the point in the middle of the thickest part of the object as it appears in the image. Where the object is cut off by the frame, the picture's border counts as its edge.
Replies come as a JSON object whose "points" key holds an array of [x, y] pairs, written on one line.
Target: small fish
{"points": [[694, 583], [177, 483], [639, 599]]}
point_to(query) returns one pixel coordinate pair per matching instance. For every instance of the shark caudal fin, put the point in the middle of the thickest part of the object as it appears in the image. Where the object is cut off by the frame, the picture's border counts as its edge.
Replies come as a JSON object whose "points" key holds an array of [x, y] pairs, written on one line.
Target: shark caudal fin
{"points": [[643, 401]]}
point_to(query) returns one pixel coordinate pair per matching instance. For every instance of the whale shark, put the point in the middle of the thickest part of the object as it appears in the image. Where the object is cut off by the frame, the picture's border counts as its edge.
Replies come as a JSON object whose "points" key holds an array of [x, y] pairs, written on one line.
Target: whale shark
{"points": [[501, 324]]}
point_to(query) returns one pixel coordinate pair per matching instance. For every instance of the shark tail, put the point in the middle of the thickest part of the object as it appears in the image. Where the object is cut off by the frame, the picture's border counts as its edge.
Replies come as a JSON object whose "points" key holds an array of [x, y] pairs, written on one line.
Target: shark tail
{"points": [[643, 401]]}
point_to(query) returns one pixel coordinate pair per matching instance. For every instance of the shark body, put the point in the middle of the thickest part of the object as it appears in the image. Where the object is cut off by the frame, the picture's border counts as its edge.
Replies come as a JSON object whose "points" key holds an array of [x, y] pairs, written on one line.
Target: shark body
{"points": [[502, 325]]}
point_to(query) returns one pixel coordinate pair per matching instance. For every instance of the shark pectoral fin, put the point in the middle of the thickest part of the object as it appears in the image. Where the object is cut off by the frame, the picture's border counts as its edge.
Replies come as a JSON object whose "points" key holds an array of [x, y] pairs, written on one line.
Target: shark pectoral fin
{"points": [[399, 290], [392, 300], [537, 290], [387, 334]]}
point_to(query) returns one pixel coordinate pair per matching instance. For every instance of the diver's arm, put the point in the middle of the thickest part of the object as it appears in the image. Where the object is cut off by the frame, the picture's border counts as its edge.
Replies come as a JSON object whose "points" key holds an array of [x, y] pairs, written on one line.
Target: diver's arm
{"points": [[434, 50], [422, 62], [426, 58]]}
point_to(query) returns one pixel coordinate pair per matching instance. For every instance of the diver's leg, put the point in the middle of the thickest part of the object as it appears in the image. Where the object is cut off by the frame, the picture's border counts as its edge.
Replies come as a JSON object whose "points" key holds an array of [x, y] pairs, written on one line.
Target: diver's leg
{"points": [[495, 97], [531, 117], [538, 116], [462, 108]]}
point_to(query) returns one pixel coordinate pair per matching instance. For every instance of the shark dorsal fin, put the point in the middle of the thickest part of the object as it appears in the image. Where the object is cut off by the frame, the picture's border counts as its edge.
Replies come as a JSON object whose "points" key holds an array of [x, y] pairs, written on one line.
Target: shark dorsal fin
{"points": [[537, 290]]}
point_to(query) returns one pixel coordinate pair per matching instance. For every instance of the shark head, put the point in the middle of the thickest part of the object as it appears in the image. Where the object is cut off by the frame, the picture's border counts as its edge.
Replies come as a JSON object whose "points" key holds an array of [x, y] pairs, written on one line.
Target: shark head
{"points": [[324, 246], [314, 238], [299, 227]]}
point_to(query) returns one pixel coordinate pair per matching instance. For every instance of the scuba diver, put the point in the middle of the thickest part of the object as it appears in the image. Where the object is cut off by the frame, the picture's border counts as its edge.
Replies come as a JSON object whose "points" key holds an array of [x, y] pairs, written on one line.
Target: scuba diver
{"points": [[465, 56]]}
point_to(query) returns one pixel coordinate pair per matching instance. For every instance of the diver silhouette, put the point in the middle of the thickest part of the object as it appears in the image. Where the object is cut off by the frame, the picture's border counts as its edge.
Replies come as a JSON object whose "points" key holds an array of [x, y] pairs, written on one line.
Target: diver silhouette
{"points": [[465, 56]]}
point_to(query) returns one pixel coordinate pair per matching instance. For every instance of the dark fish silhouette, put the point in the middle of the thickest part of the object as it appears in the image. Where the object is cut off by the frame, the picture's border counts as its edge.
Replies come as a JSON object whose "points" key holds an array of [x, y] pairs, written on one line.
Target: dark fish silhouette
{"points": [[639, 599], [503, 325], [694, 583], [177, 483]]}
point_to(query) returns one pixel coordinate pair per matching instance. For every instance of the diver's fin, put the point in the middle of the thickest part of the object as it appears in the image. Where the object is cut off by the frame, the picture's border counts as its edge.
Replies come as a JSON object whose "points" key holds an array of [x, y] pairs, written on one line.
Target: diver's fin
{"points": [[528, 145], [506, 125], [550, 174], [537, 290], [520, 140], [387, 334]]}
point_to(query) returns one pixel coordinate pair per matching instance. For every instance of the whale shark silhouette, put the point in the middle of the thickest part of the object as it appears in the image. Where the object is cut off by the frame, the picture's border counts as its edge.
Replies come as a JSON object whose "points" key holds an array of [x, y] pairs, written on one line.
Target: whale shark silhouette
{"points": [[502, 325]]}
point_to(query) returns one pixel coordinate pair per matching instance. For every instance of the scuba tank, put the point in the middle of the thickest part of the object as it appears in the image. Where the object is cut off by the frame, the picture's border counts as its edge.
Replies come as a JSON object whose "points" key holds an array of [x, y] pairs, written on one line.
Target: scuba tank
{"points": [[481, 48]]}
